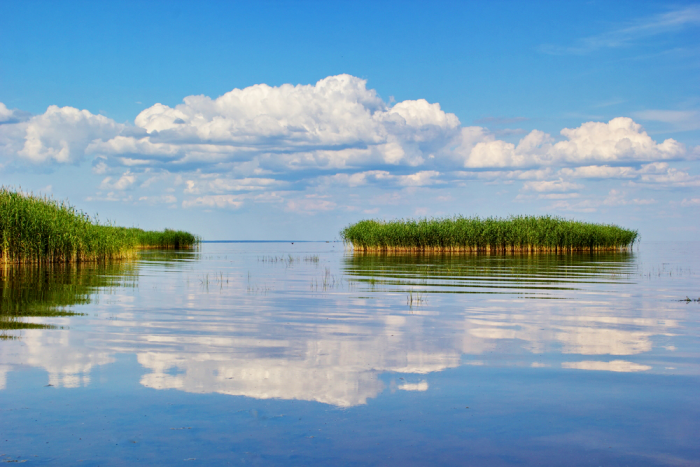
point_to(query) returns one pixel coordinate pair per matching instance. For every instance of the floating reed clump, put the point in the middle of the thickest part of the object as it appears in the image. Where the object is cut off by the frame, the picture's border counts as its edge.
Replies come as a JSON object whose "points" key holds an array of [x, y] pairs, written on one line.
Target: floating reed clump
{"points": [[491, 234], [39, 229]]}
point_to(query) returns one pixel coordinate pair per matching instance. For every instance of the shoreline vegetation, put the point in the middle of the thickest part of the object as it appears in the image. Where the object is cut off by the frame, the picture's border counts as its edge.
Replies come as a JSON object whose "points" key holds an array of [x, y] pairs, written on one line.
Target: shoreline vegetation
{"points": [[39, 229], [514, 234]]}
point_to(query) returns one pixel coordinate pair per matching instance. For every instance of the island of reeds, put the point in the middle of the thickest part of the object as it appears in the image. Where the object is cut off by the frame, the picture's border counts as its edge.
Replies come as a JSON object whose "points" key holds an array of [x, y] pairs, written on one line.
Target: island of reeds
{"points": [[39, 229], [492, 234]]}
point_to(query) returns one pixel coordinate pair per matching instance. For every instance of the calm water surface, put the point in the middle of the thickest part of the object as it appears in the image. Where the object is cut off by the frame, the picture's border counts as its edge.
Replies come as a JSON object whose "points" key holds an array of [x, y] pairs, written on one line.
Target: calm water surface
{"points": [[305, 353]]}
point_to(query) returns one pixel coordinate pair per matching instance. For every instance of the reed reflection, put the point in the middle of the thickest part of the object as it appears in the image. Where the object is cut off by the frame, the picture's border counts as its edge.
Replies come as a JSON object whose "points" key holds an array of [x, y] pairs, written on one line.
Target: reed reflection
{"points": [[53, 290], [532, 274], [43, 297], [332, 345], [595, 316]]}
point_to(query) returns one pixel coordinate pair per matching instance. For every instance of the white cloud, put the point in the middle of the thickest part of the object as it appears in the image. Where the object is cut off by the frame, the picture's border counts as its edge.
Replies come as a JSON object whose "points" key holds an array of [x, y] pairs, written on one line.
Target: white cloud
{"points": [[551, 185], [264, 144], [422, 178], [664, 23], [619, 140], [581, 206], [156, 200], [690, 202], [220, 184], [335, 124], [311, 204], [681, 120], [599, 171], [673, 178], [614, 198], [559, 196], [11, 115], [535, 174], [618, 198], [61, 134], [491, 152], [122, 183], [215, 201], [5, 113], [422, 386], [615, 365], [111, 196]]}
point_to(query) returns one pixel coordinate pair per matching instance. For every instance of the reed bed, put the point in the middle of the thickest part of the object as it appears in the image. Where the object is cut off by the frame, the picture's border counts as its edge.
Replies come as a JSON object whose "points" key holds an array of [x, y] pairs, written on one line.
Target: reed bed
{"points": [[39, 229], [522, 234]]}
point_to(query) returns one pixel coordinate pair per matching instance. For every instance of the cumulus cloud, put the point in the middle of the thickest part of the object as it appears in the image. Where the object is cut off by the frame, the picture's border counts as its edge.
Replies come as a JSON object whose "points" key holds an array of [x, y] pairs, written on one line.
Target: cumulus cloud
{"points": [[599, 172], [614, 198], [531, 150], [122, 183], [617, 198], [214, 201], [690, 202], [337, 124], [156, 200], [422, 178], [209, 184], [551, 185], [667, 177], [61, 134], [268, 144], [12, 115], [619, 140], [311, 204]]}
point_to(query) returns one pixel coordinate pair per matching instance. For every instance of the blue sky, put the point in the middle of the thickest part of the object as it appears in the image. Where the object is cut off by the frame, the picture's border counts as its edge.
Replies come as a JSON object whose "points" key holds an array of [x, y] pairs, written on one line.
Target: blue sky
{"points": [[312, 115]]}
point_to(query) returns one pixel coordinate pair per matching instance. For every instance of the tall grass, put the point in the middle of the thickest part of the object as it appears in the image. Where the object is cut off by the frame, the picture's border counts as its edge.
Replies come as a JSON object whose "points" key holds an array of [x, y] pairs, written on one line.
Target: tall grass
{"points": [[37, 229], [491, 234]]}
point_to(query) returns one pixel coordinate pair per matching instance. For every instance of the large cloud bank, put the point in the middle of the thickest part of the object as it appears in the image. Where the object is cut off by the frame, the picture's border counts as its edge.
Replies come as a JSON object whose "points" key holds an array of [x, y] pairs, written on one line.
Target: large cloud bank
{"points": [[336, 123], [335, 131]]}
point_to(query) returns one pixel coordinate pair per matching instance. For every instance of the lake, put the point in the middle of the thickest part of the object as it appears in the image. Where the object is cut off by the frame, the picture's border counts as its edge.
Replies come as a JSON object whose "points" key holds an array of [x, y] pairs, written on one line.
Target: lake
{"points": [[307, 354]]}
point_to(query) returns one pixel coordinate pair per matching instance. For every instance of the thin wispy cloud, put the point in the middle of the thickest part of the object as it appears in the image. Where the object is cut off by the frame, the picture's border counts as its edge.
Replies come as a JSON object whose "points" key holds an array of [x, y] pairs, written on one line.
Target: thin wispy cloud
{"points": [[678, 120], [630, 34]]}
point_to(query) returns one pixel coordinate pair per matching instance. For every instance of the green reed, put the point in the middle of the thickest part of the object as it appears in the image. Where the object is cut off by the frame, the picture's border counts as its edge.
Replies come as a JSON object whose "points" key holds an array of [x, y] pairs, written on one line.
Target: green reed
{"points": [[40, 229], [493, 234]]}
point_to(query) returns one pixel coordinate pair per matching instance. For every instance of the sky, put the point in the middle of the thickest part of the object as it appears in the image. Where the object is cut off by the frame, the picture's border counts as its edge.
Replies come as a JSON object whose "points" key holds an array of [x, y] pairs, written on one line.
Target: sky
{"points": [[278, 120]]}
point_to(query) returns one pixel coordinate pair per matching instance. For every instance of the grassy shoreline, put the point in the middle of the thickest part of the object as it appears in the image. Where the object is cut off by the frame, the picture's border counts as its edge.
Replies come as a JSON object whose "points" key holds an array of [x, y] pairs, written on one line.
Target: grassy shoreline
{"points": [[521, 234], [39, 229]]}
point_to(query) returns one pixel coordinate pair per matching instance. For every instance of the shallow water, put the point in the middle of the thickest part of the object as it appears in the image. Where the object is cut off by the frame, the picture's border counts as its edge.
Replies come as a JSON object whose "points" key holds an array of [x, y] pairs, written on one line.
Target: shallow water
{"points": [[298, 354]]}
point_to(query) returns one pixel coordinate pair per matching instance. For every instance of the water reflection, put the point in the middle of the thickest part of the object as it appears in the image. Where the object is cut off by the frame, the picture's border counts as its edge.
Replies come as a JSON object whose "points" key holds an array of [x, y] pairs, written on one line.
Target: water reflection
{"points": [[196, 323], [53, 290], [535, 275]]}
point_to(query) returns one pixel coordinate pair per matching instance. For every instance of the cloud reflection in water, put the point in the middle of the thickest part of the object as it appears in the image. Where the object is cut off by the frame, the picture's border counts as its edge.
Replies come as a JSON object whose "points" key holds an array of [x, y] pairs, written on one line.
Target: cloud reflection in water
{"points": [[332, 346]]}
